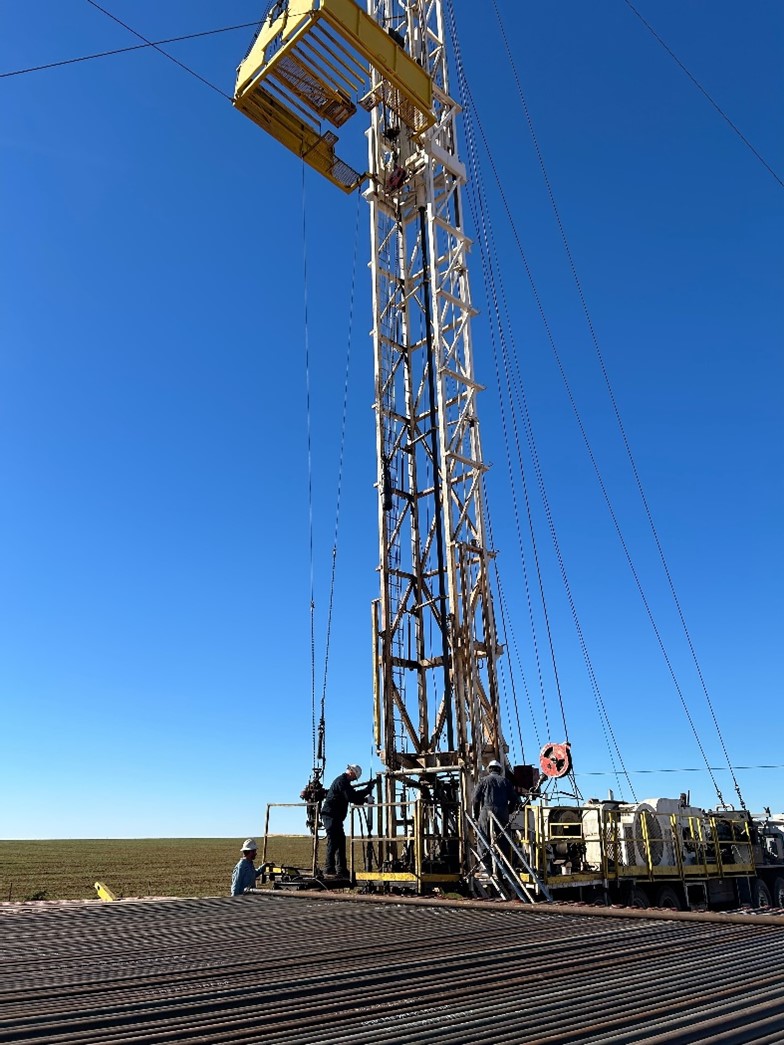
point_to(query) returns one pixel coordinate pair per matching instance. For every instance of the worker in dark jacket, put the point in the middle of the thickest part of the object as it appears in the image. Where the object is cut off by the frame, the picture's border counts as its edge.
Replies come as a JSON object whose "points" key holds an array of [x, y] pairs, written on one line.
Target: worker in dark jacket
{"points": [[494, 794], [334, 810]]}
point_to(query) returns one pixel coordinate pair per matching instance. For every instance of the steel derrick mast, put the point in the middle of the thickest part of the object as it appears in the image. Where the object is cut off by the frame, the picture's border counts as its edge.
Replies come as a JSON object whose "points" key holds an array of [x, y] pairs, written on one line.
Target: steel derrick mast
{"points": [[436, 698], [313, 67]]}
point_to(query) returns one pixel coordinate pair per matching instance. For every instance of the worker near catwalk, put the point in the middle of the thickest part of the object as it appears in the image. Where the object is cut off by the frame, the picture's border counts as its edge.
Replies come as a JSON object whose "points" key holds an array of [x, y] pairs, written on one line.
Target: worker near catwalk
{"points": [[334, 810], [494, 794], [245, 874]]}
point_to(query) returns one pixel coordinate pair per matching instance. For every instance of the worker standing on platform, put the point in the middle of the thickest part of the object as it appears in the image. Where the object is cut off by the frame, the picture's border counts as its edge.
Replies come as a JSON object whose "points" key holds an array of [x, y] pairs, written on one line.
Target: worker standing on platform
{"points": [[494, 794], [245, 874], [334, 811]]}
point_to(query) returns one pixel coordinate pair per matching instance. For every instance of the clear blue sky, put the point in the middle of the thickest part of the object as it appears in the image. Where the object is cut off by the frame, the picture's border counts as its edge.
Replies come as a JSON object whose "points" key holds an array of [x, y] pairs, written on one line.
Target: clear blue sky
{"points": [[154, 565]]}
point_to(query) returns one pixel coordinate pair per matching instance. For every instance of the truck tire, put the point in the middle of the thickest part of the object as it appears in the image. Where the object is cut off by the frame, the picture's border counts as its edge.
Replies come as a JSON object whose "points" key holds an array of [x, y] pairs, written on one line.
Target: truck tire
{"points": [[760, 894], [637, 899], [778, 892], [669, 899]]}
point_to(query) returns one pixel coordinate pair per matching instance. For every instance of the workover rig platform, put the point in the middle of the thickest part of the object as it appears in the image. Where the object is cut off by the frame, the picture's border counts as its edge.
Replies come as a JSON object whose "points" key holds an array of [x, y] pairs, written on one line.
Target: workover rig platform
{"points": [[313, 67]]}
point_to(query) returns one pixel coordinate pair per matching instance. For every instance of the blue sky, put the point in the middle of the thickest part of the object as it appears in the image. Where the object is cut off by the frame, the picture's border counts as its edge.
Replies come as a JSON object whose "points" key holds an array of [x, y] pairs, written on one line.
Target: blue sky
{"points": [[155, 573]]}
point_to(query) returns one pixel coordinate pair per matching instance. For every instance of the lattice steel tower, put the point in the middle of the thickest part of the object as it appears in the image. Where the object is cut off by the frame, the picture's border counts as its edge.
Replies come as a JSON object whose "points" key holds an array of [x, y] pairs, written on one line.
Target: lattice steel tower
{"points": [[437, 699], [317, 62]]}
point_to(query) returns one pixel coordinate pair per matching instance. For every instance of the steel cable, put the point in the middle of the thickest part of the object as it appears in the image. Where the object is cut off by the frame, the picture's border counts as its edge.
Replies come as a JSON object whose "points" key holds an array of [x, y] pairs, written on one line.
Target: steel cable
{"points": [[517, 383], [165, 54], [625, 440], [125, 50], [702, 91]]}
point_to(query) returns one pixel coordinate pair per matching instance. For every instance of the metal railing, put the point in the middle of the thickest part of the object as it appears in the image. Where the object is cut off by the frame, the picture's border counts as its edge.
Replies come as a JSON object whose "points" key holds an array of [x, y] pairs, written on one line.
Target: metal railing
{"points": [[614, 843]]}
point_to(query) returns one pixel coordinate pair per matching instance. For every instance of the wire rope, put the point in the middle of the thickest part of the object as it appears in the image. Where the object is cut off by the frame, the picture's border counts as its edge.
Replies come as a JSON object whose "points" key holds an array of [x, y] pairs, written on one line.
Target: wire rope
{"points": [[702, 91], [488, 269], [591, 453], [687, 769], [480, 220], [624, 437], [341, 457], [309, 439], [527, 497], [165, 54], [508, 633], [599, 476], [517, 382], [125, 50]]}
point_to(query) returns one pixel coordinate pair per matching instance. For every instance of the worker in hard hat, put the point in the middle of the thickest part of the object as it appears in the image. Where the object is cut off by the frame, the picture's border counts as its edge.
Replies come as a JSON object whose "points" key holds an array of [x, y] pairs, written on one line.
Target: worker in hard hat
{"points": [[245, 874], [334, 811], [494, 794]]}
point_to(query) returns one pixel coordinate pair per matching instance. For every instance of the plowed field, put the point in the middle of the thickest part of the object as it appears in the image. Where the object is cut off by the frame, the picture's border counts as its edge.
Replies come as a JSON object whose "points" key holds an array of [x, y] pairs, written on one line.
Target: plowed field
{"points": [[67, 870]]}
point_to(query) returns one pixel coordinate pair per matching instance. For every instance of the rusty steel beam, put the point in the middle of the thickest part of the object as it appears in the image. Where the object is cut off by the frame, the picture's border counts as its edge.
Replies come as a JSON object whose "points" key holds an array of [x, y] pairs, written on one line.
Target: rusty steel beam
{"points": [[759, 916]]}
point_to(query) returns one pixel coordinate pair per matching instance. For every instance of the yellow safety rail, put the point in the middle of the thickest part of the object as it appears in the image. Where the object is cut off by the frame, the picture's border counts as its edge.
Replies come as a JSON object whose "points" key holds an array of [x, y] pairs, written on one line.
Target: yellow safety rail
{"points": [[317, 60], [685, 847], [392, 844]]}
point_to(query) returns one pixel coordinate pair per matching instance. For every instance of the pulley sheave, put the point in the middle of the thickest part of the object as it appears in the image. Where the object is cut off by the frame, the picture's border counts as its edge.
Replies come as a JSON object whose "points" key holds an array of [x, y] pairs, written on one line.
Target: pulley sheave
{"points": [[555, 760]]}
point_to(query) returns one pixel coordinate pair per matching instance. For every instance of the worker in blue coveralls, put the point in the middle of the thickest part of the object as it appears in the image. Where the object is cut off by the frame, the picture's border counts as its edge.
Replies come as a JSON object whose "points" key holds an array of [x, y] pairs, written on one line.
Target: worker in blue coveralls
{"points": [[245, 874], [334, 810], [494, 794]]}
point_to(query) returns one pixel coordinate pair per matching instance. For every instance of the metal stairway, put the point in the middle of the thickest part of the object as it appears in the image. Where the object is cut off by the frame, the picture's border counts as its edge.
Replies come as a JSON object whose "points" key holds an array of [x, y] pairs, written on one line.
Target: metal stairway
{"points": [[494, 874]]}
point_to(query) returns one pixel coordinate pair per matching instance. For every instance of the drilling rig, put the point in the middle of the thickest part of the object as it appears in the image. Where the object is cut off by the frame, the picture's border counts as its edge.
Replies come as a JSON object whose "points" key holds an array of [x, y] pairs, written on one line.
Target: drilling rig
{"points": [[435, 686], [317, 67]]}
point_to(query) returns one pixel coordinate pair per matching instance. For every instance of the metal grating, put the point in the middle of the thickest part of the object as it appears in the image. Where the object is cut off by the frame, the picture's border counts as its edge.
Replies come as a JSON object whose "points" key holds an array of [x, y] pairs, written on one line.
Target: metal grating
{"points": [[387, 94], [305, 970], [323, 95]]}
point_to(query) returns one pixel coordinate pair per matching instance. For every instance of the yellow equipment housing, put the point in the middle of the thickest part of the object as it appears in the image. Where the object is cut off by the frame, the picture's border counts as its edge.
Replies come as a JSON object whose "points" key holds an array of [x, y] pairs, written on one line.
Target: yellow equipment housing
{"points": [[314, 60]]}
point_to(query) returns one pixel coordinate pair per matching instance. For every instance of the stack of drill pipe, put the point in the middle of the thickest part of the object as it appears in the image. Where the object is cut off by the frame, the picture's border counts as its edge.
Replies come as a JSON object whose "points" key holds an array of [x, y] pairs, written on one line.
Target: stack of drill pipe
{"points": [[306, 970]]}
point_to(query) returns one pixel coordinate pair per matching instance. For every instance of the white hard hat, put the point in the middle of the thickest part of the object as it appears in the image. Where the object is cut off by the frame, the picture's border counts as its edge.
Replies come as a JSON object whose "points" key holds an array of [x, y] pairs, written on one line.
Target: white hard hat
{"points": [[248, 845], [355, 769], [495, 764]]}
